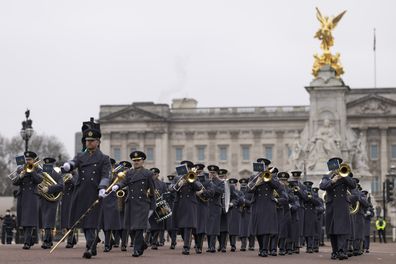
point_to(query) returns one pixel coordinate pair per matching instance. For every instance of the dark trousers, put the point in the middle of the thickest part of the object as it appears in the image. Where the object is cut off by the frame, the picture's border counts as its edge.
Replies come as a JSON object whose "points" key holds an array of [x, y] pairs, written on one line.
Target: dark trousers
{"points": [[366, 242], [173, 236], [8, 235], [199, 240], [264, 242], [71, 238], [90, 237], [28, 235], [282, 244], [154, 237], [48, 236], [243, 242], [186, 235], [251, 241], [382, 236], [117, 234], [211, 242], [138, 242], [274, 242], [107, 241], [232, 241], [310, 242], [338, 243], [222, 240], [162, 237]]}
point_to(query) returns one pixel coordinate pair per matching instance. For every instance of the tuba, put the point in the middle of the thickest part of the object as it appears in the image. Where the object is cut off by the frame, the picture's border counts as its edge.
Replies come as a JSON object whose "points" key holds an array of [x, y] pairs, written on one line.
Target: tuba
{"points": [[47, 182], [353, 208]]}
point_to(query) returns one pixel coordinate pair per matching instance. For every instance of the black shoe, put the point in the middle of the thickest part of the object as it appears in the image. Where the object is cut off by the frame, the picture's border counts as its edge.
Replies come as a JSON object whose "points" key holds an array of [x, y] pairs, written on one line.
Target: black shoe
{"points": [[87, 254], [251, 248], [26, 246], [44, 246], [316, 250], [154, 247], [135, 254], [223, 250], [186, 251], [69, 245], [161, 244], [116, 245], [173, 246], [310, 250], [243, 249], [289, 252], [273, 253], [94, 253], [218, 249], [297, 251], [263, 253], [198, 250], [342, 255], [233, 249], [123, 248], [282, 253], [106, 249], [356, 253], [212, 250], [145, 246], [367, 251], [333, 255]]}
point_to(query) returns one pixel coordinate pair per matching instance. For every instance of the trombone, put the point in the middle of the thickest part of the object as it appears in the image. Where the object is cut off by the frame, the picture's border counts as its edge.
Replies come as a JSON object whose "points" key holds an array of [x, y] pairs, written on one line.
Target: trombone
{"points": [[190, 177], [264, 176]]}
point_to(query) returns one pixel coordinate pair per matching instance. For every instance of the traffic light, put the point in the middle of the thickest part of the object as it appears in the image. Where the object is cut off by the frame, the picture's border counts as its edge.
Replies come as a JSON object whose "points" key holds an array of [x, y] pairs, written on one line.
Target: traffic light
{"points": [[389, 186]]}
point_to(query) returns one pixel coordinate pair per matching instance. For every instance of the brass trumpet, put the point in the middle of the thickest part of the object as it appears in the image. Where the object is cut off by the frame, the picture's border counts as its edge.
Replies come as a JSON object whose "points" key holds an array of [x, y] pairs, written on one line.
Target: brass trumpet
{"points": [[344, 170]]}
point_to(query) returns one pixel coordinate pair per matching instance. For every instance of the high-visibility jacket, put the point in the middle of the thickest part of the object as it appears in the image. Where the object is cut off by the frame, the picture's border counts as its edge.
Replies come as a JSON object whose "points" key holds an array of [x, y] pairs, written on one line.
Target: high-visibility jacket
{"points": [[380, 224]]}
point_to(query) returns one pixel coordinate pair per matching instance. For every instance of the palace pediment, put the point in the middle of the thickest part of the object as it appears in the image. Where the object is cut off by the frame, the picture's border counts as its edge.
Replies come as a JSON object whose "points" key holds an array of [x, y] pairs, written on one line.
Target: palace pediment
{"points": [[372, 104], [131, 113]]}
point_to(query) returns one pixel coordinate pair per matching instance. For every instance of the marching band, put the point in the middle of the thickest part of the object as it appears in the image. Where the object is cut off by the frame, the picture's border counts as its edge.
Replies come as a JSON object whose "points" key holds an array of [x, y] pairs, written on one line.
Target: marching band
{"points": [[276, 208]]}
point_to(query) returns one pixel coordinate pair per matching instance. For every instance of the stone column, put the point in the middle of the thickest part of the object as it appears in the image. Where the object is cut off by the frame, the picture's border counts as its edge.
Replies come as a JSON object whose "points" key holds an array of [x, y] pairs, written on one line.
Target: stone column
{"points": [[165, 154], [234, 154], [212, 147], [124, 146], [257, 148], [105, 143], [384, 154], [189, 145], [279, 149]]}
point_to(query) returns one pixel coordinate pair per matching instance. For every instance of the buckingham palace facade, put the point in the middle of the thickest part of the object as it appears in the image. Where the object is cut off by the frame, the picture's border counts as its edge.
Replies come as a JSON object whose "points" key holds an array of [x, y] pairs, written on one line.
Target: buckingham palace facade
{"points": [[233, 137]]}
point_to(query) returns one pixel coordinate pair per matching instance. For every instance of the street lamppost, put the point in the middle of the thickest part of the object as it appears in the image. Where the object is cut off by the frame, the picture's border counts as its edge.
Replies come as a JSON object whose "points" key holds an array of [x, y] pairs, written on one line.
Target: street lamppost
{"points": [[27, 129]]}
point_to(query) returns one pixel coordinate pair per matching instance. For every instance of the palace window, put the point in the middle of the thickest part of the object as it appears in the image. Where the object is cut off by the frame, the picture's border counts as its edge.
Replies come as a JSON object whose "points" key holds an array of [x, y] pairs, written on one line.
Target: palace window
{"points": [[117, 153], [245, 152], [150, 153], [201, 153], [179, 153], [268, 152], [374, 151], [393, 151], [223, 153]]}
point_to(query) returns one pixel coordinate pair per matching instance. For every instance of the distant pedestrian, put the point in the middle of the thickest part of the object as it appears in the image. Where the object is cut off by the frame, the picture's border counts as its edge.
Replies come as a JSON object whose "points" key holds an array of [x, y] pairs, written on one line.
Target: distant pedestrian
{"points": [[380, 224]]}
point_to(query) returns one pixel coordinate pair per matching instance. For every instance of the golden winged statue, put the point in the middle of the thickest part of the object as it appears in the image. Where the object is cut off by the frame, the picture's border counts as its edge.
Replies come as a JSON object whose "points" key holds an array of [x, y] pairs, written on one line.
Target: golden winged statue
{"points": [[325, 35]]}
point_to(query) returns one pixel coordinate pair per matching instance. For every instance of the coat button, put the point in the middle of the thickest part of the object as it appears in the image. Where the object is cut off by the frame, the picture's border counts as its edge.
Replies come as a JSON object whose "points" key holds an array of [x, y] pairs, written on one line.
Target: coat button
{"points": [[133, 197], [82, 171], [140, 197], [266, 189], [335, 196], [188, 195], [91, 179], [95, 165], [23, 189], [82, 179], [142, 182], [30, 188], [141, 190], [266, 194], [94, 172]]}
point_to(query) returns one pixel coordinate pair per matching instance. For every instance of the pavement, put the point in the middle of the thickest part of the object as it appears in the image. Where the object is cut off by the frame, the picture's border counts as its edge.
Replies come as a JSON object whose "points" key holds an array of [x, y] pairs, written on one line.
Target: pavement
{"points": [[379, 254]]}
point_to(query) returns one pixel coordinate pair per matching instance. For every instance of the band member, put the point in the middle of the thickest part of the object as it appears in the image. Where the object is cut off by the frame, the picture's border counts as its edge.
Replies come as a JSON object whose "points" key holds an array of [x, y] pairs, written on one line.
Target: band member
{"points": [[6, 228], [27, 198], [109, 217], [264, 218], [284, 206], [140, 199], [185, 206], [245, 209], [202, 208], [213, 220], [121, 197], [234, 213], [94, 172], [65, 206], [337, 208], [368, 214], [224, 216], [48, 208], [310, 217], [301, 194], [170, 226], [319, 219], [359, 219], [155, 225]]}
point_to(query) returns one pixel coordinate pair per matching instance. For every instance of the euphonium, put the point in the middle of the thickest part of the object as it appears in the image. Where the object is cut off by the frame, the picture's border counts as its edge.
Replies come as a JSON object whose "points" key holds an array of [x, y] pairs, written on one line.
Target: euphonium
{"points": [[353, 208], [120, 193]]}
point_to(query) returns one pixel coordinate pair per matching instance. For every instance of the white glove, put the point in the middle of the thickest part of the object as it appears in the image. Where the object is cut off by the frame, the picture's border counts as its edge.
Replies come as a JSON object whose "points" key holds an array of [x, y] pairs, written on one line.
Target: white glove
{"points": [[66, 166], [102, 193], [115, 188]]}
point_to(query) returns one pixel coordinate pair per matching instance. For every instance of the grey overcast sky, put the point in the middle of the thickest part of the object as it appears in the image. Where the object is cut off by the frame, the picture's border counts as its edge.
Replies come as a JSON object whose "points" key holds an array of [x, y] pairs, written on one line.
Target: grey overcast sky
{"points": [[63, 59]]}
